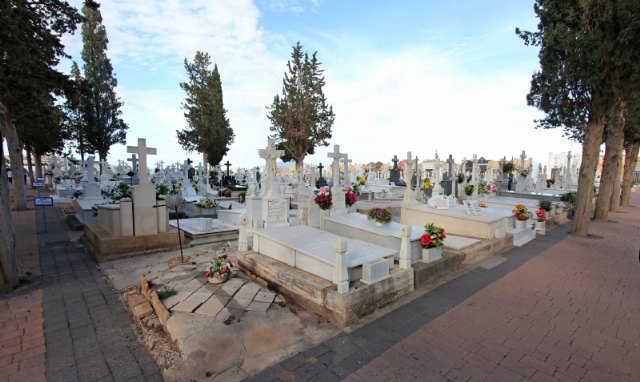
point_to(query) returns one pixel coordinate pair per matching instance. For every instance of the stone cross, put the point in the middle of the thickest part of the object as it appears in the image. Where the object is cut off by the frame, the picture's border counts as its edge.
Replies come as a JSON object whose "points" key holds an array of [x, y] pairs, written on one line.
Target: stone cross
{"points": [[160, 165], [142, 150], [522, 159], [320, 167], [450, 163], [199, 169], [91, 171], [228, 165], [395, 161], [270, 155], [336, 155], [185, 168], [134, 163], [338, 194]]}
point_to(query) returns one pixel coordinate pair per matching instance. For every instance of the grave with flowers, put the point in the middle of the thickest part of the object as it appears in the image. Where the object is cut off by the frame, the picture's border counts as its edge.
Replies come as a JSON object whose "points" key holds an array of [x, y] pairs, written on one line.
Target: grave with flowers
{"points": [[333, 274]]}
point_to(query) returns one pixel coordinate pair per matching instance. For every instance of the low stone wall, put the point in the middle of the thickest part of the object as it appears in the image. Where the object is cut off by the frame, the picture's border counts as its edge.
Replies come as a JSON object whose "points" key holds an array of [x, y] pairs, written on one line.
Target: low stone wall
{"points": [[321, 296], [105, 247]]}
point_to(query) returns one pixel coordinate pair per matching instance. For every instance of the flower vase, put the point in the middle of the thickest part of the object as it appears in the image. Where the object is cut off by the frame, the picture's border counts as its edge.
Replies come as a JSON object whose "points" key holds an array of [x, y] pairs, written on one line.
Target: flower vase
{"points": [[379, 224], [541, 227], [217, 279], [431, 254], [520, 224]]}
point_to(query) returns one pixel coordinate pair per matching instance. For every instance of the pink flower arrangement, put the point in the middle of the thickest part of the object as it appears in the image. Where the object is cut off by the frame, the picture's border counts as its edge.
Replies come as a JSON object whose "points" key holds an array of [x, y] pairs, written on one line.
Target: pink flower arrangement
{"points": [[433, 236], [350, 197], [323, 198], [490, 187]]}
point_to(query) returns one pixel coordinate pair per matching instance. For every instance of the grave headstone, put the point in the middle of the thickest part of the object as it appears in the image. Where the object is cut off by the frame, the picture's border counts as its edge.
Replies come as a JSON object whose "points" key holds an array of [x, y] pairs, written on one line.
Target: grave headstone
{"points": [[145, 216], [395, 171], [322, 182], [337, 191]]}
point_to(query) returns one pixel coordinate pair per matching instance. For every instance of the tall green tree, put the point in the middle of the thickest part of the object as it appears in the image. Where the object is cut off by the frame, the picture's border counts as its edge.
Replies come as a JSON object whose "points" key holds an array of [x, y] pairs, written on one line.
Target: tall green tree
{"points": [[99, 104], [584, 59], [73, 118], [208, 130], [30, 50], [301, 118]]}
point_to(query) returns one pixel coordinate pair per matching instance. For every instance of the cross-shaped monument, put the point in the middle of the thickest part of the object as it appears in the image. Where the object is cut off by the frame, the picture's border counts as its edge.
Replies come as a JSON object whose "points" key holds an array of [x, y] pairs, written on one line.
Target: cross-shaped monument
{"points": [[160, 165], [522, 159], [185, 167], [142, 150], [91, 171], [228, 165], [321, 181], [270, 154], [134, 162], [337, 193], [450, 163]]}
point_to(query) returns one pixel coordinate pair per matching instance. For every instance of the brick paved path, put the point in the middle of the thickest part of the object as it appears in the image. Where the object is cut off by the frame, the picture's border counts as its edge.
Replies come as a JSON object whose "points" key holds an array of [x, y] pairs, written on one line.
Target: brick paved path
{"points": [[561, 308], [68, 325]]}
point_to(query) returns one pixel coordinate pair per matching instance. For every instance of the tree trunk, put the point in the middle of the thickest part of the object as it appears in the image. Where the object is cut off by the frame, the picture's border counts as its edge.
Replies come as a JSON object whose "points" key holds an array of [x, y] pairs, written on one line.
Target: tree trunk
{"points": [[630, 162], [15, 154], [590, 153], [617, 186], [613, 152], [39, 173], [8, 268]]}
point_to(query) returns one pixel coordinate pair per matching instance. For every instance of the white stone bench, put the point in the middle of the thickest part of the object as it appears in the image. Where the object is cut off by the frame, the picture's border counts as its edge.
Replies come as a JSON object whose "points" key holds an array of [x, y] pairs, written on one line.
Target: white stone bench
{"points": [[319, 253]]}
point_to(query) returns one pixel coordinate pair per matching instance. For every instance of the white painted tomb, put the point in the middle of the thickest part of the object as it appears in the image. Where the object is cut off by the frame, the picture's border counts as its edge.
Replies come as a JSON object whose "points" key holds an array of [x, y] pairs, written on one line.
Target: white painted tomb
{"points": [[357, 226], [490, 223], [206, 230], [314, 251]]}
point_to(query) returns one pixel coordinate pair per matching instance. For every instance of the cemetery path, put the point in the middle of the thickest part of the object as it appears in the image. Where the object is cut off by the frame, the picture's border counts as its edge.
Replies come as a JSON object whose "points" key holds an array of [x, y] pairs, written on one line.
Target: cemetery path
{"points": [[68, 324], [560, 308]]}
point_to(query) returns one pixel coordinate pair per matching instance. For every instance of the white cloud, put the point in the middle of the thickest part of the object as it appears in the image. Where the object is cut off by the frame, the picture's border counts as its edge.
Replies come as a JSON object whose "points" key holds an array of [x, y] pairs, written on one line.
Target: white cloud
{"points": [[417, 99]]}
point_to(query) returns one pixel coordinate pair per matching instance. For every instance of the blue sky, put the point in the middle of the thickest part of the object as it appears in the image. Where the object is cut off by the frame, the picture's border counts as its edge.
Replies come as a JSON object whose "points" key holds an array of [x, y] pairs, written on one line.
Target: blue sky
{"points": [[416, 76]]}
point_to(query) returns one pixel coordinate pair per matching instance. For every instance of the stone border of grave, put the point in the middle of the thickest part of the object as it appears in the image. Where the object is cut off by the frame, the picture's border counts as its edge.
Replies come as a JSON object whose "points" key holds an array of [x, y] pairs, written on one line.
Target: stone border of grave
{"points": [[321, 296]]}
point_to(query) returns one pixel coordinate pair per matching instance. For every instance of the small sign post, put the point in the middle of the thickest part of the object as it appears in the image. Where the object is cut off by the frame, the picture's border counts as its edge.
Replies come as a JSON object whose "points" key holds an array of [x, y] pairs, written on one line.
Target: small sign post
{"points": [[37, 184], [43, 201]]}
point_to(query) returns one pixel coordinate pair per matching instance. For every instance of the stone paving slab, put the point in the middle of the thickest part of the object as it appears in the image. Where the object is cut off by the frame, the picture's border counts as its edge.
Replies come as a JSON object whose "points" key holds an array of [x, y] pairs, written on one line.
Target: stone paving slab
{"points": [[213, 306], [248, 291], [265, 295], [186, 306]]}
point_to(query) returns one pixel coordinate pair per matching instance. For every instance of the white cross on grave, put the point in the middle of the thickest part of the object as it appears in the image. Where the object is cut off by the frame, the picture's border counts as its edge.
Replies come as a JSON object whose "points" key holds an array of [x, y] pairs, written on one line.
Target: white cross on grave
{"points": [[337, 193], [270, 154], [91, 171], [522, 159], [142, 150]]}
